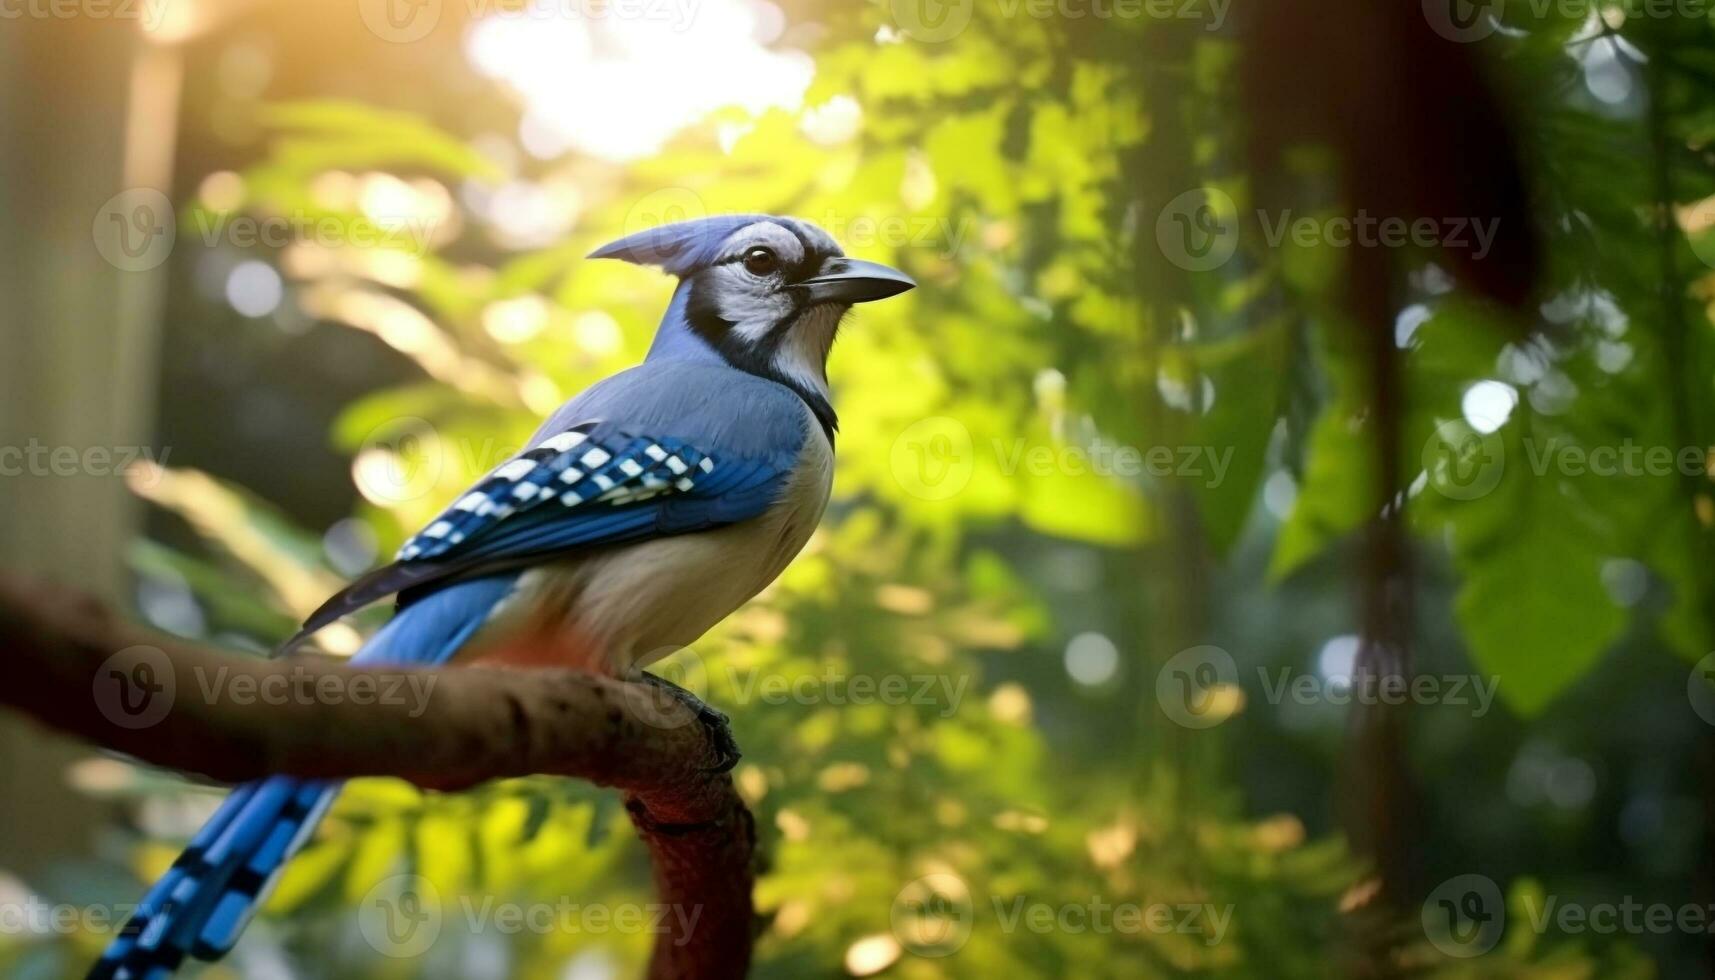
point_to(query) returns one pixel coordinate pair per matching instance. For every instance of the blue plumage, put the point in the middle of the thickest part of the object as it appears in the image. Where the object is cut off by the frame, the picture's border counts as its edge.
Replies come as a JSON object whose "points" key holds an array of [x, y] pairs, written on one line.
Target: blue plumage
{"points": [[721, 428], [593, 483]]}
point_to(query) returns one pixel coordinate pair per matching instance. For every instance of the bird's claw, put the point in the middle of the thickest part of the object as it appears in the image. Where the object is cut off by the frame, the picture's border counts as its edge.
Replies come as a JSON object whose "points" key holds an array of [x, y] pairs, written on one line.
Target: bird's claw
{"points": [[715, 723]]}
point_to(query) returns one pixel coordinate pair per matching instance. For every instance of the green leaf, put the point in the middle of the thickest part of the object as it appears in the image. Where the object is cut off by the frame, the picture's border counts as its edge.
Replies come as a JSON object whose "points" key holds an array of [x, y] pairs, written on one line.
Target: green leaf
{"points": [[1337, 491], [233, 602], [1531, 602], [1247, 375], [332, 133]]}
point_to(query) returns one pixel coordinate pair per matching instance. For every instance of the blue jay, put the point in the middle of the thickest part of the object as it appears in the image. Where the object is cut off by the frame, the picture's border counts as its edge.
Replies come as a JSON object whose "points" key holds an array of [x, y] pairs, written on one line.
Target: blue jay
{"points": [[643, 512]]}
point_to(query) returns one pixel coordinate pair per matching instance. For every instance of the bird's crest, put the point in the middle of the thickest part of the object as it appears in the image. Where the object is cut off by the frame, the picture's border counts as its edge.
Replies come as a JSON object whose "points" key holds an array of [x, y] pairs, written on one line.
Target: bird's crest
{"points": [[681, 247]]}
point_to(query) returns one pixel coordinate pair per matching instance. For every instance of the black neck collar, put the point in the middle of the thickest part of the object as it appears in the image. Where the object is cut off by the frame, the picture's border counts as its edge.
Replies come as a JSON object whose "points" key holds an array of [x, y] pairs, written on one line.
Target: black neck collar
{"points": [[758, 358]]}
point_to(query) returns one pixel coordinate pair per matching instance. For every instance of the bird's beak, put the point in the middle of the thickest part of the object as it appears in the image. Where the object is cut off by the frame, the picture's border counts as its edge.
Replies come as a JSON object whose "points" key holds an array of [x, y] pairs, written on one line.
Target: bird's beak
{"points": [[845, 280]]}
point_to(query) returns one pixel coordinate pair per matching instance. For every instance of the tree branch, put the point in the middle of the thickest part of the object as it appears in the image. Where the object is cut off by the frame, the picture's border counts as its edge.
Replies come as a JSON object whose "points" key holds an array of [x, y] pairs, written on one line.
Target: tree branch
{"points": [[75, 666]]}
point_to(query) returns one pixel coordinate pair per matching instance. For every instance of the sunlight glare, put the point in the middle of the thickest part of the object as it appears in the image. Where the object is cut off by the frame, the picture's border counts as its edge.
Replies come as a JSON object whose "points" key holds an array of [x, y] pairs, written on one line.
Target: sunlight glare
{"points": [[1488, 404], [597, 81], [1338, 660], [1092, 659]]}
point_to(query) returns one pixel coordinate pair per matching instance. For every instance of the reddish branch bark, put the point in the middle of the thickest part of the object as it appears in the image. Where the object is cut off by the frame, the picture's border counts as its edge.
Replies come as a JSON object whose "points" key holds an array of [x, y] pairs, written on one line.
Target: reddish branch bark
{"points": [[74, 665]]}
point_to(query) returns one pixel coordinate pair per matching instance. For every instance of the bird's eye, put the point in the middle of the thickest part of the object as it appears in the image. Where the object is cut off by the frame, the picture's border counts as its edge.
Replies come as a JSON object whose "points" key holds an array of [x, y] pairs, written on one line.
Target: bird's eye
{"points": [[761, 261]]}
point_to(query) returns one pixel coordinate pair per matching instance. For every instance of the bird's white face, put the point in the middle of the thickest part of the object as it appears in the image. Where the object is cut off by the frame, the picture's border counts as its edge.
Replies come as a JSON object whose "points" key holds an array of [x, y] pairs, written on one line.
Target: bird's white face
{"points": [[750, 305], [764, 293]]}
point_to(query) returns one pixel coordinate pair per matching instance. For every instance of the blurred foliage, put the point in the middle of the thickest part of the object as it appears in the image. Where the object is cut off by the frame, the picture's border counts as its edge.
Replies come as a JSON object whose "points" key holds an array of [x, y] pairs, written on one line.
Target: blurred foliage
{"points": [[1012, 163]]}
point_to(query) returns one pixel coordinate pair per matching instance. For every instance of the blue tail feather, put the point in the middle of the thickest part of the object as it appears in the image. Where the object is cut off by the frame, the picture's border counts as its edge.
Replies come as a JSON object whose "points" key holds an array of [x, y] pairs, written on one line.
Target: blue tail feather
{"points": [[153, 903], [202, 904]]}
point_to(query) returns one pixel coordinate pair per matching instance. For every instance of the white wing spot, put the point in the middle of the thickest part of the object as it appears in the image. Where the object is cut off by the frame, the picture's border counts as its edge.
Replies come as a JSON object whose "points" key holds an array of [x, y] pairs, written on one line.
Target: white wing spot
{"points": [[571, 475], [655, 453], [471, 501], [438, 529], [629, 467], [564, 441], [570, 498], [595, 457], [707, 465], [515, 469], [677, 465]]}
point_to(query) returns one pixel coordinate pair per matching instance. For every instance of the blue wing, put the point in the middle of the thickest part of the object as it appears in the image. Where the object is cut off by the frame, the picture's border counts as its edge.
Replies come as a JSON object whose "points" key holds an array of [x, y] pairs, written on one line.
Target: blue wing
{"points": [[589, 485]]}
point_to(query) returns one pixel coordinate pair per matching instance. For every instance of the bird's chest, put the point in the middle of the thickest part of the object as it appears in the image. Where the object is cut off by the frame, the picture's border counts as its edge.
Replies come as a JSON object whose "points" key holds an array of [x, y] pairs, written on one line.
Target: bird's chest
{"points": [[640, 602]]}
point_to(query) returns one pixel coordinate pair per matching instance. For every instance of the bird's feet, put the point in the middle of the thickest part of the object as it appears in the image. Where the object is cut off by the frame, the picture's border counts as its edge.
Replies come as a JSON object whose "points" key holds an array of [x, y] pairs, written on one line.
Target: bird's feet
{"points": [[715, 723]]}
